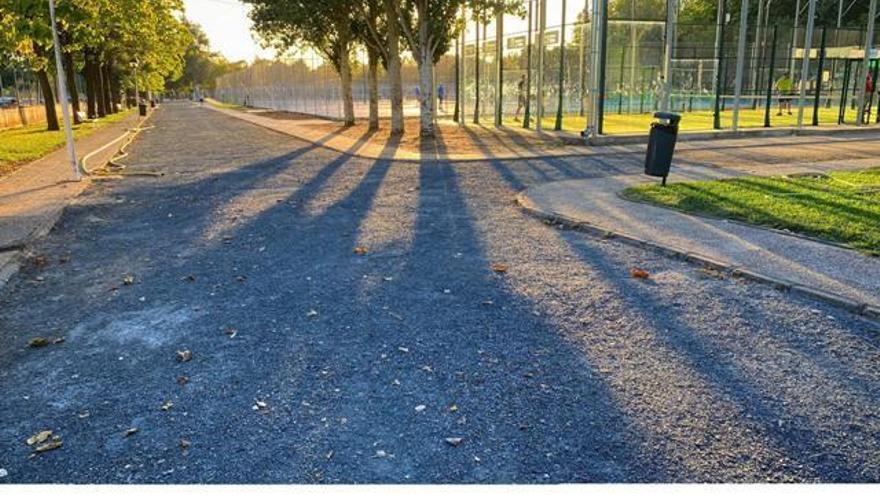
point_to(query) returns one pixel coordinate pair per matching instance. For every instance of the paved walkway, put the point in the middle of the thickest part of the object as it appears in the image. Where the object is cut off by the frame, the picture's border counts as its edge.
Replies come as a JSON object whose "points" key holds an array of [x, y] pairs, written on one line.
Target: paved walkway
{"points": [[33, 197], [793, 260]]}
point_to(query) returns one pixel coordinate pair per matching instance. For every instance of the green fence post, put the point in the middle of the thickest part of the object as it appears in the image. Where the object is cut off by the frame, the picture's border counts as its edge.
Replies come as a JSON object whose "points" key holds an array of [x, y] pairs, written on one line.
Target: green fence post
{"points": [[819, 69], [719, 71], [603, 47], [558, 126], [770, 79], [527, 110]]}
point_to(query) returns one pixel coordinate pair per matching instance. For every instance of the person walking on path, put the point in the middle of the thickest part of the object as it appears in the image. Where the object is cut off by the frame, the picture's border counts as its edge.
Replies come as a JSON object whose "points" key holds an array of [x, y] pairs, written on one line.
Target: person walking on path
{"points": [[520, 96], [784, 92], [441, 97], [869, 93]]}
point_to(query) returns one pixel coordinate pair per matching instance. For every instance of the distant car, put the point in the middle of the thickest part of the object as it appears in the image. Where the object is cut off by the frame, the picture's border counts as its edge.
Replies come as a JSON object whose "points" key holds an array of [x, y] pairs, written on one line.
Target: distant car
{"points": [[7, 101]]}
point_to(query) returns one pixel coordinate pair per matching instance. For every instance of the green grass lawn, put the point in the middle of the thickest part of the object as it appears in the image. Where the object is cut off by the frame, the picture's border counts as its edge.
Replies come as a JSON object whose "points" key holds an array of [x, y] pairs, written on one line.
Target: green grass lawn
{"points": [[842, 207], [25, 144], [220, 104]]}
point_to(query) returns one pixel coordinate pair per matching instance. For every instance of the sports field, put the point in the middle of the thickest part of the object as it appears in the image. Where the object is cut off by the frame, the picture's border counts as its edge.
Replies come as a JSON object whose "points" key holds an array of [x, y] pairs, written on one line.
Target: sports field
{"points": [[702, 120]]}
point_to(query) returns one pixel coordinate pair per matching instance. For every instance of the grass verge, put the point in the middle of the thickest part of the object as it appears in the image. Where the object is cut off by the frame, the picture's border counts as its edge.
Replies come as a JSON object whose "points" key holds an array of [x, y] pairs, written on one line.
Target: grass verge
{"points": [[26, 144], [220, 104], [842, 207]]}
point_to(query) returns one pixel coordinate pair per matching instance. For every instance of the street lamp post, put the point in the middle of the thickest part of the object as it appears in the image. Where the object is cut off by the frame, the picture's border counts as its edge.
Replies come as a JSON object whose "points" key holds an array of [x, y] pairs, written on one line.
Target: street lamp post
{"points": [[62, 94]]}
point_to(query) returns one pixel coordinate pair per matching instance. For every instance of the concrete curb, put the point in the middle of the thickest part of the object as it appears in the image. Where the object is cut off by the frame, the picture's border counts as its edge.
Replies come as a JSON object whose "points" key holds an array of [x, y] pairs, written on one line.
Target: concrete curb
{"points": [[860, 308]]}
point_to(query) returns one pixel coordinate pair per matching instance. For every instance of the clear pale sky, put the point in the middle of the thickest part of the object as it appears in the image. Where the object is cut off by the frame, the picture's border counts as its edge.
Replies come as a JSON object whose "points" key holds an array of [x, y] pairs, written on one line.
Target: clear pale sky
{"points": [[227, 25]]}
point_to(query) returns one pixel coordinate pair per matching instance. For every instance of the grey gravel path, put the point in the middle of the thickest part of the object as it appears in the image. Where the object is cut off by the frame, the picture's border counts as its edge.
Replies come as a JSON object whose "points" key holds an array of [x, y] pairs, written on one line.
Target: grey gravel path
{"points": [[562, 369]]}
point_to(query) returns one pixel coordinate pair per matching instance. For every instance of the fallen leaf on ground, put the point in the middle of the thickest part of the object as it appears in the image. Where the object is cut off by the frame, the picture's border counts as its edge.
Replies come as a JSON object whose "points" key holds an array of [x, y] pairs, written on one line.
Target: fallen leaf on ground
{"points": [[182, 380], [51, 445], [39, 261], [184, 443], [639, 273], [128, 279], [454, 441], [453, 408], [189, 278], [361, 250], [59, 340], [38, 342], [259, 405], [39, 437], [499, 267], [420, 407], [131, 431], [167, 405], [312, 313], [231, 332], [184, 355]]}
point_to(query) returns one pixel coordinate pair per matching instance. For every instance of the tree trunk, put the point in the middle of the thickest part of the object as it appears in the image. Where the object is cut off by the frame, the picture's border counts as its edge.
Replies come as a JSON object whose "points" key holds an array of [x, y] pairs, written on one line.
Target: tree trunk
{"points": [[48, 101], [426, 80], [115, 94], [394, 76], [70, 75], [99, 88], [345, 84], [104, 74], [373, 87], [91, 92]]}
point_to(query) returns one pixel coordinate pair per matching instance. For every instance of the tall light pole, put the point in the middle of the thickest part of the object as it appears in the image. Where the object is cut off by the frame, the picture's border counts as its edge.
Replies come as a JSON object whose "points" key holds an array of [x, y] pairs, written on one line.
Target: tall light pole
{"points": [[740, 61], [137, 99], [805, 63], [62, 94]]}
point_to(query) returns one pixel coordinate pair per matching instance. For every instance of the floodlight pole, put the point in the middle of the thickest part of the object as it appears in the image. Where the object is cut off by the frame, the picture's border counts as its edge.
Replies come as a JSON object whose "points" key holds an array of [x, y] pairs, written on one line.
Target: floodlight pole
{"points": [[597, 34], [805, 63], [740, 60], [866, 61], [62, 95], [671, 19]]}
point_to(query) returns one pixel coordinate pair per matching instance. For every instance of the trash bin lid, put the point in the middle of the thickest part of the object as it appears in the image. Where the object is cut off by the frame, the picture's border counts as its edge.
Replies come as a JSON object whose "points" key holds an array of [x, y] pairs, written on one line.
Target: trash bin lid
{"points": [[673, 118]]}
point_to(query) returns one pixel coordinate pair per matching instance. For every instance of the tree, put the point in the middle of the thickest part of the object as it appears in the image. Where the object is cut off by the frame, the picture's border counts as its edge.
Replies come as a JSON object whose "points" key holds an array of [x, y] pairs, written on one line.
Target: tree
{"points": [[201, 66], [27, 32], [326, 26], [429, 26]]}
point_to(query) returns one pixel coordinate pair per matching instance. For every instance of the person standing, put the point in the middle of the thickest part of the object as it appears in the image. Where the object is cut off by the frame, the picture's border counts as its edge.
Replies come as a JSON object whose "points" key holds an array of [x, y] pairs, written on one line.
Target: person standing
{"points": [[785, 92], [520, 96]]}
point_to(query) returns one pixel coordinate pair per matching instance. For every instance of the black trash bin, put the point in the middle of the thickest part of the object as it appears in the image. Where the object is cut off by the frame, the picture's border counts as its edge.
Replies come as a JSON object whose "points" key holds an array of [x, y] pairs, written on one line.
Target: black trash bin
{"points": [[661, 144], [142, 109]]}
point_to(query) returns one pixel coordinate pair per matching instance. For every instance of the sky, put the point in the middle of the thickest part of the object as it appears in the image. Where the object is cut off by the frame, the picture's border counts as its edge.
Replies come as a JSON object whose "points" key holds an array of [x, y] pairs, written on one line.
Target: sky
{"points": [[227, 25]]}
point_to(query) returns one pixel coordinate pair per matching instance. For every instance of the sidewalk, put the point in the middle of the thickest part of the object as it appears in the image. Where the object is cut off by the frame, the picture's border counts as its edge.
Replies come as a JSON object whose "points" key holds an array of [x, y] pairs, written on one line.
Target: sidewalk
{"points": [[838, 275], [33, 197]]}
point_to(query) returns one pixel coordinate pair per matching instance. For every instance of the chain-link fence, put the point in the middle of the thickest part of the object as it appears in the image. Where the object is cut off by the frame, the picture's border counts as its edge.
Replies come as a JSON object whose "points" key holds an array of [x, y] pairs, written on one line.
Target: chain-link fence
{"points": [[542, 69]]}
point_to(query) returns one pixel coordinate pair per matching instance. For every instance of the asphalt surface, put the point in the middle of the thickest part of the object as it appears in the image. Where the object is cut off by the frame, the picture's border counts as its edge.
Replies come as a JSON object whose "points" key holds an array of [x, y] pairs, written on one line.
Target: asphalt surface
{"points": [[313, 363]]}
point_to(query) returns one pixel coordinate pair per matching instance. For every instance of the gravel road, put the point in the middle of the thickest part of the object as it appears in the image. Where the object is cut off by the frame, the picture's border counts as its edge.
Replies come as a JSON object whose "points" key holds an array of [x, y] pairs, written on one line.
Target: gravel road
{"points": [[419, 360]]}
